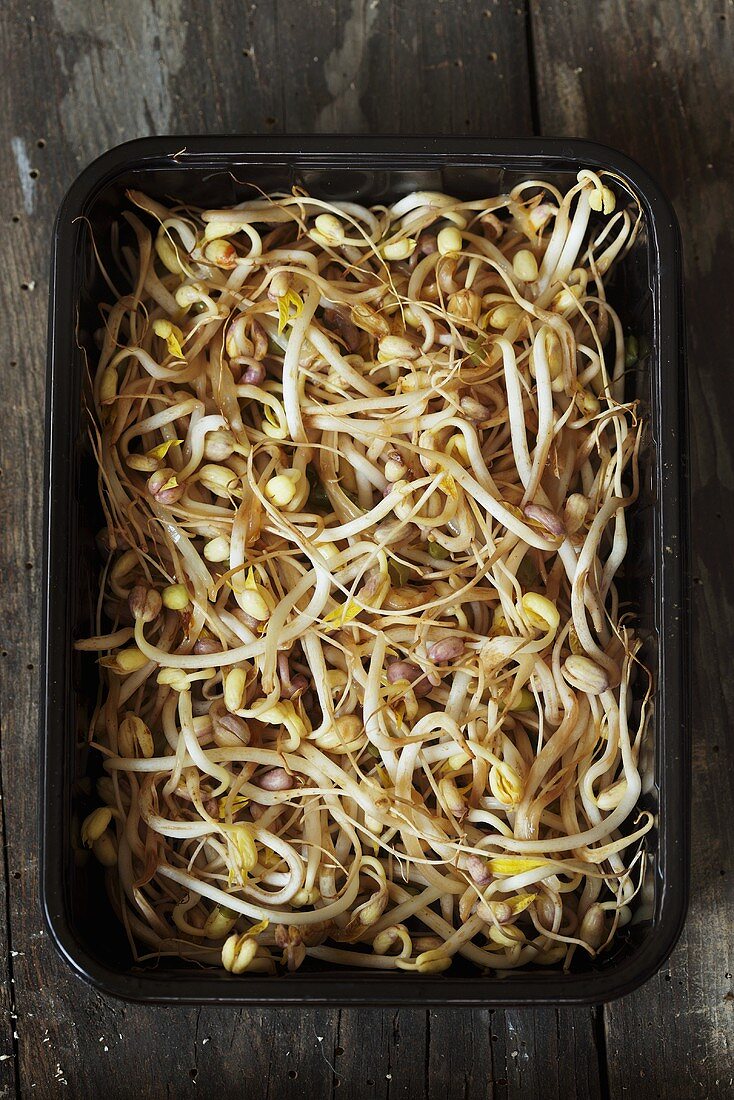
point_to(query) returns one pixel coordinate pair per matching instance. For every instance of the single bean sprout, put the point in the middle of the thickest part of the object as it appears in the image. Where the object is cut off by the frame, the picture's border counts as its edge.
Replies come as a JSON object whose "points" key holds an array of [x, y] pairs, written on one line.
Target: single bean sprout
{"points": [[365, 675]]}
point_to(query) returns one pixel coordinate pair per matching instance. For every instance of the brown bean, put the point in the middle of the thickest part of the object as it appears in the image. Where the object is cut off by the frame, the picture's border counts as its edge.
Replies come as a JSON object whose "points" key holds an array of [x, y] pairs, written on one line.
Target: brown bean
{"points": [[342, 326], [295, 688], [145, 603], [277, 779], [406, 670], [160, 478], [259, 339], [446, 650], [478, 870], [229, 729], [253, 375], [548, 519], [592, 929]]}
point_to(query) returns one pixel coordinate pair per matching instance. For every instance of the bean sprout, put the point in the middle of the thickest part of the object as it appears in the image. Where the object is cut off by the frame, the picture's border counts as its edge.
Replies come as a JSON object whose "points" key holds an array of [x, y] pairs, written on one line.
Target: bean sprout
{"points": [[366, 682]]}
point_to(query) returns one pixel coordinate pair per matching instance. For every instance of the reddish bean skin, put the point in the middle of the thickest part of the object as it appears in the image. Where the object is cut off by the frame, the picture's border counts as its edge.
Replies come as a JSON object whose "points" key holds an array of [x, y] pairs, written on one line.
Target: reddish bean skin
{"points": [[549, 519], [277, 779], [406, 670], [448, 649], [254, 376]]}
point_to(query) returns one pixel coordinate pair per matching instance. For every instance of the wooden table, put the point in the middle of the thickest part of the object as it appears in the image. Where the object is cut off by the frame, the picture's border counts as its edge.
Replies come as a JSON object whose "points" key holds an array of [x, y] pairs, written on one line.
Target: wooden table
{"points": [[655, 79]]}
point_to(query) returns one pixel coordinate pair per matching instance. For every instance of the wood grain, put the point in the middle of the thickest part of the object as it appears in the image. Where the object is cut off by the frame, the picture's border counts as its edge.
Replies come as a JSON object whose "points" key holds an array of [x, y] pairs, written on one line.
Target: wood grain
{"points": [[9, 1070], [656, 85]]}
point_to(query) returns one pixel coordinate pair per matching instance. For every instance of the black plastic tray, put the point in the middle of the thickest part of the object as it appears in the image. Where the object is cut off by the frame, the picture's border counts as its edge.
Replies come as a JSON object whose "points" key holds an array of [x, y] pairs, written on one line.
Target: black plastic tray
{"points": [[647, 291]]}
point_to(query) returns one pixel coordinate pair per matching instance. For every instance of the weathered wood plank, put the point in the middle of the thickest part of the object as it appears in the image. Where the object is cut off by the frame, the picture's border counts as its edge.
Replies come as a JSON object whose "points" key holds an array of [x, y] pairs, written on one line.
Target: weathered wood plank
{"points": [[364, 65], [9, 1070], [655, 80], [493, 1055], [380, 1053], [544, 1061], [22, 295]]}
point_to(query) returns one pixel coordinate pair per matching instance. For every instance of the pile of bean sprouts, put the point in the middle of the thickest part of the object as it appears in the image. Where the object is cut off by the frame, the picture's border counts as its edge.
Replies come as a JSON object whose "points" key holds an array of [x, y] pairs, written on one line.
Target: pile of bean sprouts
{"points": [[365, 678]]}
